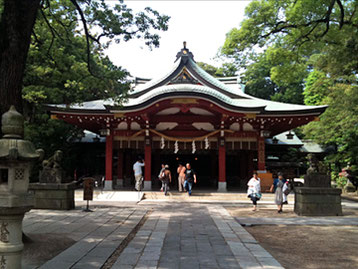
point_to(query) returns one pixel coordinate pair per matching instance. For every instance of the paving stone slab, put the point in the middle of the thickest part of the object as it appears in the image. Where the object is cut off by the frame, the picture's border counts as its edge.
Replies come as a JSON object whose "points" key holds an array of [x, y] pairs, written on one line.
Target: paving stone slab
{"points": [[93, 250], [247, 251], [173, 236]]}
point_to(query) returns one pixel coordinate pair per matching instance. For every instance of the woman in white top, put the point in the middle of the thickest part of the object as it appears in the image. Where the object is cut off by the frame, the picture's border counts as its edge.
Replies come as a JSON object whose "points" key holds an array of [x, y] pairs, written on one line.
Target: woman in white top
{"points": [[254, 190]]}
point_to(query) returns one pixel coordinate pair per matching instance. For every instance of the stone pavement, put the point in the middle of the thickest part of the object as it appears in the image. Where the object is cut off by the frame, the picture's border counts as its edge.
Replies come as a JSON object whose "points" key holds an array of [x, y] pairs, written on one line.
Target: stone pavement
{"points": [[193, 236], [98, 233], [171, 235]]}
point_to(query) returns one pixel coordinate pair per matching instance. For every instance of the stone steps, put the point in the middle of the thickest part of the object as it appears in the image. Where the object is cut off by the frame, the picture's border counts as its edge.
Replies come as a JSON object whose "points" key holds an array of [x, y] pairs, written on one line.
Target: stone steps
{"points": [[99, 195], [197, 195]]}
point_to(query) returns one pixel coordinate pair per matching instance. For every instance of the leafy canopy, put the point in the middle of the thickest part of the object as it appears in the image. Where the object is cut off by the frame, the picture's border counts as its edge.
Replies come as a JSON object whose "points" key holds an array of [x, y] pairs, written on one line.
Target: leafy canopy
{"points": [[226, 70], [310, 45], [66, 62]]}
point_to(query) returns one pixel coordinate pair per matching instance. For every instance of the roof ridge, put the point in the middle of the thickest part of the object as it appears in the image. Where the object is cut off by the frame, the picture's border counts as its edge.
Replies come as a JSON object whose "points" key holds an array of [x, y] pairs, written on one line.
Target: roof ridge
{"points": [[187, 62]]}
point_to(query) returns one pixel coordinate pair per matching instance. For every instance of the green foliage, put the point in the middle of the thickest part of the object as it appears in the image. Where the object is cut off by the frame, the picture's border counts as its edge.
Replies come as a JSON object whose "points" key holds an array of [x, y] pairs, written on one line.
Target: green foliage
{"points": [[304, 43], [56, 133], [57, 70], [66, 62], [259, 80], [291, 154], [286, 67], [291, 94], [226, 70], [341, 181], [338, 126], [316, 88]]}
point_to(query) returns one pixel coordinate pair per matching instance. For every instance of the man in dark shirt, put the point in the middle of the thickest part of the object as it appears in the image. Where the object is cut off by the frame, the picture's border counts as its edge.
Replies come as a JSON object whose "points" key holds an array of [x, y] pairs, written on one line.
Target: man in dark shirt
{"points": [[190, 177]]}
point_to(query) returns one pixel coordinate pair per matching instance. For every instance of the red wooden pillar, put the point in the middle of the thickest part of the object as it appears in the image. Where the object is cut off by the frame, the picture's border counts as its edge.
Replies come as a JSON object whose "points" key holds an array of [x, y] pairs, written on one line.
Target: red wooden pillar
{"points": [[148, 164], [261, 166], [222, 165], [109, 161]]}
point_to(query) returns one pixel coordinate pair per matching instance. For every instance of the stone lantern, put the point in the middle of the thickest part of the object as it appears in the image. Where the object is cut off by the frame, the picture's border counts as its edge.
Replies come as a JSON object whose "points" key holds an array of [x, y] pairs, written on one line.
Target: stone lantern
{"points": [[16, 157], [317, 197]]}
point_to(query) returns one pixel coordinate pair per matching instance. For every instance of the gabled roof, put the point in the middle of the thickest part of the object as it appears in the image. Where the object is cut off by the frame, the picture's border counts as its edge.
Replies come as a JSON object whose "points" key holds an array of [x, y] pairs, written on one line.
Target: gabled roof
{"points": [[196, 82], [283, 140], [187, 79], [196, 75]]}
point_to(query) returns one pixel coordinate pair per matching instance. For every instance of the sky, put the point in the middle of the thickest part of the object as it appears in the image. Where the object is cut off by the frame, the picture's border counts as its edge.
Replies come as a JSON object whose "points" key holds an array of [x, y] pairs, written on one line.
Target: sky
{"points": [[202, 24]]}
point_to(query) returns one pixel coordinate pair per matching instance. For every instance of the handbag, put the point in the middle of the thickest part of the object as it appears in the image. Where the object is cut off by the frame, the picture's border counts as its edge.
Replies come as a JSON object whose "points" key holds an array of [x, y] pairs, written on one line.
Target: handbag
{"points": [[288, 190], [258, 195]]}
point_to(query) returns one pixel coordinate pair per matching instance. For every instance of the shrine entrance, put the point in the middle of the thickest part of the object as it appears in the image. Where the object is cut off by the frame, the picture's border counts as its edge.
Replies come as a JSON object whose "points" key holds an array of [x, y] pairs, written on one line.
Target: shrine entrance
{"points": [[204, 164], [240, 165]]}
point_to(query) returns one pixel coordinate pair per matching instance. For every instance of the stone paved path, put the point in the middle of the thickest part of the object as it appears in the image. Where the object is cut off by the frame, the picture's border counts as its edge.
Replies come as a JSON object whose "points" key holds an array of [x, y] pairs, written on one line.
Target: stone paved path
{"points": [[193, 236], [98, 233], [175, 235]]}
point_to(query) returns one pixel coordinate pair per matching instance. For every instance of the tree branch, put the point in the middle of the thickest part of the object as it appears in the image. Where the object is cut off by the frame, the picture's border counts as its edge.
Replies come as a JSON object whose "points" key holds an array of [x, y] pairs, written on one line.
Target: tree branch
{"points": [[88, 36], [327, 18], [52, 30], [283, 25], [342, 14], [39, 42]]}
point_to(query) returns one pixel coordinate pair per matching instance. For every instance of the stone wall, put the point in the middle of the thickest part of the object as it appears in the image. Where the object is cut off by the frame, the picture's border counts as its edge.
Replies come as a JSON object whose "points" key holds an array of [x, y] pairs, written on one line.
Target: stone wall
{"points": [[318, 202], [54, 196]]}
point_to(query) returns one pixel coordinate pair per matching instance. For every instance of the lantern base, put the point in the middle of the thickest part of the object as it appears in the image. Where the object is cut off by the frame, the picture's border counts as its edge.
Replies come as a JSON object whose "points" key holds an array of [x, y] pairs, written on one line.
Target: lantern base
{"points": [[11, 245]]}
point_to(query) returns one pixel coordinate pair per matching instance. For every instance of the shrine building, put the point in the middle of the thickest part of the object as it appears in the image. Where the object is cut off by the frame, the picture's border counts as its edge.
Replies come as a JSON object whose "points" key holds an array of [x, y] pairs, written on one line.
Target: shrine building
{"points": [[187, 116]]}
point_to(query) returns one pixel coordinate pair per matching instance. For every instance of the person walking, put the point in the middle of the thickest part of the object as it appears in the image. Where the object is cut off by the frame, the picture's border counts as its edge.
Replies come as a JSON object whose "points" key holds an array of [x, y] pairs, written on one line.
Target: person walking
{"points": [[190, 177], [278, 192], [137, 169], [166, 179], [161, 174], [254, 190], [181, 177], [275, 182], [285, 192]]}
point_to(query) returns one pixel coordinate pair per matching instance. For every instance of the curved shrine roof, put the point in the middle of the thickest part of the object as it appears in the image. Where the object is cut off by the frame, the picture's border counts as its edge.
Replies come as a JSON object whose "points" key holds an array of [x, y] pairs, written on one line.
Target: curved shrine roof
{"points": [[187, 79]]}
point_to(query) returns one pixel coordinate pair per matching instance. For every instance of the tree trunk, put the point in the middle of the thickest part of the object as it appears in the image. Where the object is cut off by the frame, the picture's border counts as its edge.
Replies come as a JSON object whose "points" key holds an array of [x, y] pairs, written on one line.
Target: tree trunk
{"points": [[17, 21]]}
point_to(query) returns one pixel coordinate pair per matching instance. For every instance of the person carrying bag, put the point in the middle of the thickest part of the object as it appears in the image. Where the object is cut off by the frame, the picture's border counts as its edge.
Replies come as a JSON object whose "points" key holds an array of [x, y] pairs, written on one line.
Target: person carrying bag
{"points": [[254, 190]]}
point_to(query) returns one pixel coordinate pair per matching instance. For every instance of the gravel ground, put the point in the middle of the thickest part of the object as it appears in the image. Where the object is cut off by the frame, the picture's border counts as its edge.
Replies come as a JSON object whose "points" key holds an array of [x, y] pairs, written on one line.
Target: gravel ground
{"points": [[310, 247], [271, 212], [39, 248], [302, 246]]}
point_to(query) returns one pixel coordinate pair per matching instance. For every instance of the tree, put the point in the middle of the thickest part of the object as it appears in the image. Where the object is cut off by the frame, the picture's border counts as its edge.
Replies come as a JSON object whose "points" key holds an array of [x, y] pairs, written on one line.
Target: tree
{"points": [[57, 68], [99, 22], [338, 126], [16, 24], [57, 72], [300, 27], [262, 81], [226, 70], [317, 39]]}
